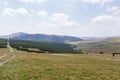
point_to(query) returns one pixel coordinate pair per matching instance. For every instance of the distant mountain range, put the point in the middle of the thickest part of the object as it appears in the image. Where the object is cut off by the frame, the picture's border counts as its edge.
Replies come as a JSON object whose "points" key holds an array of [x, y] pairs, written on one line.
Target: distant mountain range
{"points": [[57, 38], [43, 37]]}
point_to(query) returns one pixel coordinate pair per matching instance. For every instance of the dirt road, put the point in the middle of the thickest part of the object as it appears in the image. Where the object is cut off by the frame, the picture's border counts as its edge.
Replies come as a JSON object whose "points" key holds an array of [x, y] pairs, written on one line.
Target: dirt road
{"points": [[5, 55]]}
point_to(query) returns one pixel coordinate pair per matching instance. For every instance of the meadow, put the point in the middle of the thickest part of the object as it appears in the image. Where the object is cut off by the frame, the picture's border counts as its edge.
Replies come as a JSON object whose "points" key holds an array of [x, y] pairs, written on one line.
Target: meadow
{"points": [[38, 46], [101, 46], [32, 66]]}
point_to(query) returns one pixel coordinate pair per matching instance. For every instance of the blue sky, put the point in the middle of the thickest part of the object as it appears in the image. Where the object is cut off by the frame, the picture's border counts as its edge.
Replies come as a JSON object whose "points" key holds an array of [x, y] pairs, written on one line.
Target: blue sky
{"points": [[81, 18]]}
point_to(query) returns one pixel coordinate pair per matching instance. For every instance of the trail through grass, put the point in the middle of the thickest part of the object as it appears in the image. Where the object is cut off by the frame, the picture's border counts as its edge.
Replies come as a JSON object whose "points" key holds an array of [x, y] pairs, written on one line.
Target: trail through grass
{"points": [[32, 66]]}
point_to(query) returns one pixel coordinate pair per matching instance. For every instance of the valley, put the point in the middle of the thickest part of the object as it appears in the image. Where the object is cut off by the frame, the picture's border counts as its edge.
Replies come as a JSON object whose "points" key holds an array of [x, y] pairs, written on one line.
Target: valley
{"points": [[60, 40], [33, 60], [34, 66]]}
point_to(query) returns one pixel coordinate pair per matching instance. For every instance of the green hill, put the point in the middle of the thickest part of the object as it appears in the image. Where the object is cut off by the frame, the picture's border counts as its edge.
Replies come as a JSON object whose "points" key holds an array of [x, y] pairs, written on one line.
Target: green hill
{"points": [[40, 47], [43, 37], [96, 47], [51, 47]]}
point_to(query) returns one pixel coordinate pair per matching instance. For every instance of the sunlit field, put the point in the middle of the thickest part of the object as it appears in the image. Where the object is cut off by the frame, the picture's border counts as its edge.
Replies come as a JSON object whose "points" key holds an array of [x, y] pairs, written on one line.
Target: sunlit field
{"points": [[3, 50], [32, 66]]}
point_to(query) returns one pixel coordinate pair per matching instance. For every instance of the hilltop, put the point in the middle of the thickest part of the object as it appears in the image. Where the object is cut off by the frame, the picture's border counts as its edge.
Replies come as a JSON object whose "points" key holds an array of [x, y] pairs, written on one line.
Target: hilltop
{"points": [[43, 37]]}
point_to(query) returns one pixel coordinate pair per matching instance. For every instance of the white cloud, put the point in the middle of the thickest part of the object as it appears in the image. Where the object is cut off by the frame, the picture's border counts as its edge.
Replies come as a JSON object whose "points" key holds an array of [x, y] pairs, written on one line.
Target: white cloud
{"points": [[59, 16], [111, 9], [97, 1], [13, 12], [9, 12], [106, 21], [115, 10], [112, 18], [103, 19], [106, 25], [92, 1], [32, 1], [62, 20], [41, 13], [58, 23], [22, 11], [5, 3]]}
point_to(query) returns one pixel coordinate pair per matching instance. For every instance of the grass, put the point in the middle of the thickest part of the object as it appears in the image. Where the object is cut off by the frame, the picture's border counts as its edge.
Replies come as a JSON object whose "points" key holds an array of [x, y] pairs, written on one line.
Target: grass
{"points": [[3, 50], [96, 47], [42, 46], [32, 66]]}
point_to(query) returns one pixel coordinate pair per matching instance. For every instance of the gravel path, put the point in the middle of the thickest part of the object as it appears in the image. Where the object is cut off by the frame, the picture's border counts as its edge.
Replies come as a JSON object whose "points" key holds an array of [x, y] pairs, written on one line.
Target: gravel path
{"points": [[4, 55], [11, 57], [2, 63]]}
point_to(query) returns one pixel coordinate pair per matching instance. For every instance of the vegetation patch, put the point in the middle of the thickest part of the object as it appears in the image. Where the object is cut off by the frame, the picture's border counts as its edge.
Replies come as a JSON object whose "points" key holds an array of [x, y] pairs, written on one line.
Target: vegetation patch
{"points": [[28, 66], [99, 47]]}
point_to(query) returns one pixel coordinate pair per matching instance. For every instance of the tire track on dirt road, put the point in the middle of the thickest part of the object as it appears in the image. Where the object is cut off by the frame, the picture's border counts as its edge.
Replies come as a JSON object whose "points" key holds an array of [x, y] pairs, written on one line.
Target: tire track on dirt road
{"points": [[5, 55]]}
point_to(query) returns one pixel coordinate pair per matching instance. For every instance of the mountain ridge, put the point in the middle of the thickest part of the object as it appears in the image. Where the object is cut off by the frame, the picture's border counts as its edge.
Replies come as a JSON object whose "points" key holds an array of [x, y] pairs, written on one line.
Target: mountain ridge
{"points": [[43, 37]]}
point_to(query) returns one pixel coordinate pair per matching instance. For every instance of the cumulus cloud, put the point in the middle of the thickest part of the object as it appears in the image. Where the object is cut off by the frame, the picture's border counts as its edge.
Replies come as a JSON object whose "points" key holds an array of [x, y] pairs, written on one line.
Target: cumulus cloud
{"points": [[115, 10], [41, 13], [58, 22], [13, 12], [106, 25], [9, 12], [22, 11], [112, 18], [97, 1], [32, 1], [5, 3], [59, 17], [61, 20], [106, 20]]}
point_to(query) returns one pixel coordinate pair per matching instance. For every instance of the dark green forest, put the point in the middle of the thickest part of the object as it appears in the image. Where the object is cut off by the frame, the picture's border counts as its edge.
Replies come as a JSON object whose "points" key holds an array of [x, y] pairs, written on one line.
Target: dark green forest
{"points": [[43, 47]]}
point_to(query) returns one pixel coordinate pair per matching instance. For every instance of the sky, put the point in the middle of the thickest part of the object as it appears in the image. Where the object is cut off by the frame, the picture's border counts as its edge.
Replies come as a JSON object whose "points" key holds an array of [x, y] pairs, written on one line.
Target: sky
{"points": [[80, 18]]}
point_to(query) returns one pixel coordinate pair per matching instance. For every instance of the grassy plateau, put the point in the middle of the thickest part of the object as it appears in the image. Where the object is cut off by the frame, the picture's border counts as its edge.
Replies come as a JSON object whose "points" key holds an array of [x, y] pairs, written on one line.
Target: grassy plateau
{"points": [[49, 66], [32, 66], [96, 47]]}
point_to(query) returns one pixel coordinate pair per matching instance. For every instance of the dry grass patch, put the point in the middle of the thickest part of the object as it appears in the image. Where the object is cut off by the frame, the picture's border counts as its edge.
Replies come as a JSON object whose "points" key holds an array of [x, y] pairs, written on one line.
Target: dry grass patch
{"points": [[31, 66]]}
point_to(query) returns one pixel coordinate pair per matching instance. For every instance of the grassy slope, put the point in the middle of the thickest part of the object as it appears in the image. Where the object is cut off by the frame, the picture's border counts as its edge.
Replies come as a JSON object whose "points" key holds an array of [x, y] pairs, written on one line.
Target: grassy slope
{"points": [[3, 50], [108, 45], [95, 47], [117, 39], [52, 47], [68, 67], [42, 46]]}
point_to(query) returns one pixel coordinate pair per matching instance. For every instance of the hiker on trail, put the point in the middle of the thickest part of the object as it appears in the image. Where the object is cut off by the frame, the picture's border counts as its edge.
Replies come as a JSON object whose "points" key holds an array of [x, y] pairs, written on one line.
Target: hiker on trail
{"points": [[87, 53], [113, 54]]}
